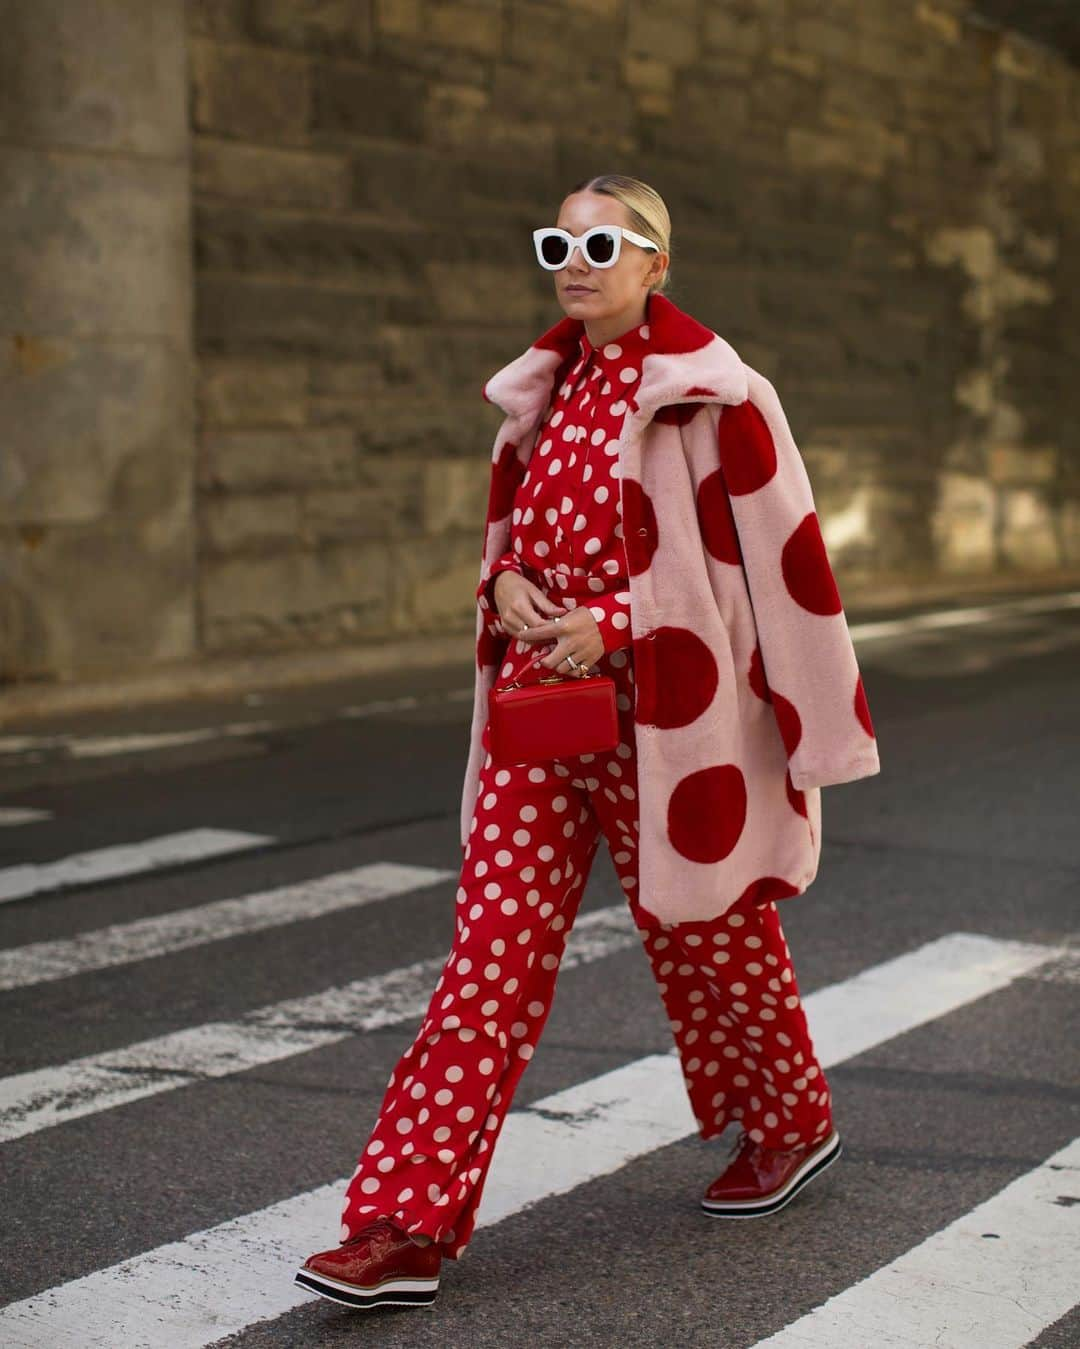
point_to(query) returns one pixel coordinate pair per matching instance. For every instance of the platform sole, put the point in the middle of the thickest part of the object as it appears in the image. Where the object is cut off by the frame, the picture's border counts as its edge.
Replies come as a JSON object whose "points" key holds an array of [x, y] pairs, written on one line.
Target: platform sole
{"points": [[389, 1293], [758, 1208]]}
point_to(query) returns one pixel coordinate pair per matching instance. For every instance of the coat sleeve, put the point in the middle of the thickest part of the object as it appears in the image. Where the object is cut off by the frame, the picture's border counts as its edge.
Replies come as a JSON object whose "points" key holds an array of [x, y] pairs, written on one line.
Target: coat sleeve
{"points": [[807, 657]]}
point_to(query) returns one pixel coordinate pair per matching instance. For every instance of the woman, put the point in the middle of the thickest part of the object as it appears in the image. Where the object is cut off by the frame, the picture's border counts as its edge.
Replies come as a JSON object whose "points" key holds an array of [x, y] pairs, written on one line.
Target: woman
{"points": [[650, 518]]}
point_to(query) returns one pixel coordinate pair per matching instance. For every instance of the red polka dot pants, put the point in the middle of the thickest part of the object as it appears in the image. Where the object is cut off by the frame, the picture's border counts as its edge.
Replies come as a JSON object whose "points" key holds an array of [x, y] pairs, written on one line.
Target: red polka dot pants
{"points": [[727, 984]]}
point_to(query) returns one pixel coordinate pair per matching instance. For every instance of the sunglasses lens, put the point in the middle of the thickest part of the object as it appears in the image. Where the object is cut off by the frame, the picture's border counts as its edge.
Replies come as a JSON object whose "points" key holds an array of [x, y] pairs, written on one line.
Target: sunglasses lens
{"points": [[601, 248], [553, 250]]}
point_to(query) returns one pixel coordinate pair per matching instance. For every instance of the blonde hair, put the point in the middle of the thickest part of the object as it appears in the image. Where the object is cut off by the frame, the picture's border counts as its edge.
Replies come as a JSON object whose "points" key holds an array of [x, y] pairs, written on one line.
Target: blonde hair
{"points": [[648, 214]]}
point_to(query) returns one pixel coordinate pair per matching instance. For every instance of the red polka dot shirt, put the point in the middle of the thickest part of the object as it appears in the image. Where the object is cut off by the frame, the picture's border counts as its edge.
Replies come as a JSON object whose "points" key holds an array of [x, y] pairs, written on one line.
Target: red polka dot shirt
{"points": [[566, 526]]}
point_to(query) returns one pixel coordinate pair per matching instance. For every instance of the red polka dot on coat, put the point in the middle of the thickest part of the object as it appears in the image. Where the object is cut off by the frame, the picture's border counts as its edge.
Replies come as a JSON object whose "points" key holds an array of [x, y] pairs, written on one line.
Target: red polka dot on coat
{"points": [[666, 702], [805, 566], [756, 675], [706, 813], [641, 536], [507, 470], [789, 722], [677, 414], [862, 711], [715, 519], [747, 452]]}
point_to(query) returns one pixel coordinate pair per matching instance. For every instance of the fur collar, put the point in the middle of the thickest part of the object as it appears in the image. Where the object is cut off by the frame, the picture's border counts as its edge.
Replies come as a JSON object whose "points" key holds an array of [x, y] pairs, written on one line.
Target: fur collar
{"points": [[687, 363]]}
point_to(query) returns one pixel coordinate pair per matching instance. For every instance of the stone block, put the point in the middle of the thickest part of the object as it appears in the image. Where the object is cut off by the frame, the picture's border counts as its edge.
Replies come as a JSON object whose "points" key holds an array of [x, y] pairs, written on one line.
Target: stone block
{"points": [[263, 459], [962, 524], [1023, 465], [87, 600], [240, 391], [98, 74], [399, 18], [648, 75], [472, 292], [667, 32], [434, 586], [246, 316], [456, 23], [248, 92], [346, 379], [93, 431], [577, 45], [115, 234], [385, 501], [218, 18], [455, 496], [339, 26], [370, 101], [362, 255], [400, 181], [1027, 537], [290, 594], [249, 523], [267, 176], [726, 29]]}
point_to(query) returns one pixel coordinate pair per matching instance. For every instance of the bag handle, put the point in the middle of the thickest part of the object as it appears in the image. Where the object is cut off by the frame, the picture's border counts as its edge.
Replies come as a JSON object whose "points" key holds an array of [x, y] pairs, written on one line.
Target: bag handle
{"points": [[548, 679]]}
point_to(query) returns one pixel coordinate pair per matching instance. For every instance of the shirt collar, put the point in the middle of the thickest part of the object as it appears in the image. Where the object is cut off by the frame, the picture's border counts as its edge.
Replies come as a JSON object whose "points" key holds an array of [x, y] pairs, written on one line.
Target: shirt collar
{"points": [[632, 345]]}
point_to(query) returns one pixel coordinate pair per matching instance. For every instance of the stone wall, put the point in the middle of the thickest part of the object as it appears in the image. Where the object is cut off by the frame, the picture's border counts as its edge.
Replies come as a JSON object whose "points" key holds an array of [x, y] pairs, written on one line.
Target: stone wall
{"points": [[876, 203]]}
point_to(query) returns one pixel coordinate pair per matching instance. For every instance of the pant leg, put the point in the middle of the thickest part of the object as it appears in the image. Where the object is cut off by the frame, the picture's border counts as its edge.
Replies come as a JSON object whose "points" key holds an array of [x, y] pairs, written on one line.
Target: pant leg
{"points": [[523, 873], [732, 998], [728, 985]]}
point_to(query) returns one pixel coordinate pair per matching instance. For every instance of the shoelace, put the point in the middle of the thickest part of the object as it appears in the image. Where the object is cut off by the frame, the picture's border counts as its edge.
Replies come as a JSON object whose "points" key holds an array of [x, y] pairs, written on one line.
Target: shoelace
{"points": [[373, 1229]]}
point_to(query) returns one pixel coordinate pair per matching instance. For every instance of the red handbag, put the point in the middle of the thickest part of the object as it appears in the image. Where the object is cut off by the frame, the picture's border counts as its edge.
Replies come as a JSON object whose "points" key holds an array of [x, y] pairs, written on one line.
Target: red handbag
{"points": [[554, 718]]}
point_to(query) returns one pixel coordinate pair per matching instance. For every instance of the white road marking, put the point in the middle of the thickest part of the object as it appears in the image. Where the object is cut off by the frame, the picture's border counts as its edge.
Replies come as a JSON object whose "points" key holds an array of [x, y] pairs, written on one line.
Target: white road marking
{"points": [[123, 943], [13, 816], [940, 620], [104, 746], [217, 1282], [124, 859], [993, 1279], [46, 1097], [138, 742]]}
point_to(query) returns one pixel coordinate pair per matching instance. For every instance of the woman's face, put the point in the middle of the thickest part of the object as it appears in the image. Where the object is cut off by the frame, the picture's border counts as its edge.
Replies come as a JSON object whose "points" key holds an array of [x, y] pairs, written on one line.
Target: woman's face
{"points": [[598, 293]]}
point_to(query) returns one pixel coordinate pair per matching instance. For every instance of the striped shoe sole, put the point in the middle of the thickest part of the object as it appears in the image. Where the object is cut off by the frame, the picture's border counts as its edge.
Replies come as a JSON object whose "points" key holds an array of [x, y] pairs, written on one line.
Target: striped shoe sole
{"points": [[758, 1208], [391, 1292]]}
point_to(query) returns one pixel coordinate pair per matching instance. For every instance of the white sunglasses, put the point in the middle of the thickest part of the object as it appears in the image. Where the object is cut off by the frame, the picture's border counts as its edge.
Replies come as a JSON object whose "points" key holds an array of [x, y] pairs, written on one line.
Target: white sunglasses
{"points": [[599, 246]]}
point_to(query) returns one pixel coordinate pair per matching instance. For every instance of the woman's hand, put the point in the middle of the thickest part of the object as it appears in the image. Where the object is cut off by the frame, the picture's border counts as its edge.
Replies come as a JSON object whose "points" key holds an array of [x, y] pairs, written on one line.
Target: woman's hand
{"points": [[577, 632]]}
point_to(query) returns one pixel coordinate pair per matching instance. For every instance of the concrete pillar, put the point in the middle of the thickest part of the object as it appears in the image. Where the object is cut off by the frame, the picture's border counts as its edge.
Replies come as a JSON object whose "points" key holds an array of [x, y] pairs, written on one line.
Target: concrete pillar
{"points": [[96, 360]]}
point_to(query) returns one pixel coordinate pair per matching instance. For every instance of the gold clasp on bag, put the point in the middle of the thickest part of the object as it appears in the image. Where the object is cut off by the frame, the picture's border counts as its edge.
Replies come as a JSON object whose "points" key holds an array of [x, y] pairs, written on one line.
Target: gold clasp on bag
{"points": [[547, 679]]}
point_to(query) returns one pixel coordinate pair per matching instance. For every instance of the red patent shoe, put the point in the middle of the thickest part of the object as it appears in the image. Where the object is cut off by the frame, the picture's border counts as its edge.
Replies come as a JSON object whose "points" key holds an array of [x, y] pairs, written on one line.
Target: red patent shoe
{"points": [[760, 1180], [378, 1266]]}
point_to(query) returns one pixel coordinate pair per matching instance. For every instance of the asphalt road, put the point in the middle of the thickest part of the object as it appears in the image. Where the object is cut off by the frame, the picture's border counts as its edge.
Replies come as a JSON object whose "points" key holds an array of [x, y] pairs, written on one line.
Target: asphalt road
{"points": [[146, 1102]]}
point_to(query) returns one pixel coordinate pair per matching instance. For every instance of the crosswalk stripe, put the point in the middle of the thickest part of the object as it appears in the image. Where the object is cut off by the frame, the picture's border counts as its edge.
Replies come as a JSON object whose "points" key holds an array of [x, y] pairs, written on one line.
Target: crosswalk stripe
{"points": [[123, 943], [123, 859], [193, 1292], [30, 1102], [13, 816], [993, 1279]]}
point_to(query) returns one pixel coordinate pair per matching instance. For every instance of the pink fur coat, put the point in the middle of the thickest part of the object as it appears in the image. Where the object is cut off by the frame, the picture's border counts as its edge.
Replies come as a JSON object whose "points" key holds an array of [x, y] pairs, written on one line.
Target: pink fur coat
{"points": [[748, 698]]}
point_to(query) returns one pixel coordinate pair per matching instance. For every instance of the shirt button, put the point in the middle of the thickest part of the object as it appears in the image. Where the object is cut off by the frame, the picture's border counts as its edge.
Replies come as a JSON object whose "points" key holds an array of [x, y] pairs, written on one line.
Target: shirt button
{"points": [[643, 531]]}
